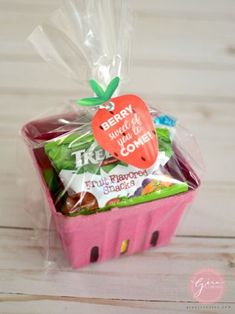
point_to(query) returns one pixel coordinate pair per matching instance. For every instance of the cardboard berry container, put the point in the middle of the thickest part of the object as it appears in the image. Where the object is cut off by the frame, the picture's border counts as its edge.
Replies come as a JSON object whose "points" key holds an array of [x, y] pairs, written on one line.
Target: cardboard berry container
{"points": [[106, 235]]}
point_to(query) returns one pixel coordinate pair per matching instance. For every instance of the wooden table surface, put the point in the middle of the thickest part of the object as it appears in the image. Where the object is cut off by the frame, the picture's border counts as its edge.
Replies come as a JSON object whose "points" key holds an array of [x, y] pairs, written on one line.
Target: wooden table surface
{"points": [[186, 49]]}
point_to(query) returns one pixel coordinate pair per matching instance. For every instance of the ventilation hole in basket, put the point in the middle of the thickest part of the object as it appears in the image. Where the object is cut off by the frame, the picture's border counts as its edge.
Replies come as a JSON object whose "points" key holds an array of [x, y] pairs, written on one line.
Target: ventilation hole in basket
{"points": [[154, 238], [124, 246], [94, 254]]}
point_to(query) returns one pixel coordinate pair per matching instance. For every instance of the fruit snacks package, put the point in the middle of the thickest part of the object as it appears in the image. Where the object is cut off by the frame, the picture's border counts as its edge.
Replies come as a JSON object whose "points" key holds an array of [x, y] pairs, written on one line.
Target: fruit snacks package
{"points": [[94, 180]]}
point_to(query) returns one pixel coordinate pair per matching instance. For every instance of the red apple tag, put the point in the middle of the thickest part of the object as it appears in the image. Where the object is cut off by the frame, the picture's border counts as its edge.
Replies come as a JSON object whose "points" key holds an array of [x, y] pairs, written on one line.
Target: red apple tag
{"points": [[123, 126]]}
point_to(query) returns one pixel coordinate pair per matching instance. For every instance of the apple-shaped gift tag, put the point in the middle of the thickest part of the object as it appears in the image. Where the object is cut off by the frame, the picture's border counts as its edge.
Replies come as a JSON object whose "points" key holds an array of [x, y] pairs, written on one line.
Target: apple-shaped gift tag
{"points": [[123, 126]]}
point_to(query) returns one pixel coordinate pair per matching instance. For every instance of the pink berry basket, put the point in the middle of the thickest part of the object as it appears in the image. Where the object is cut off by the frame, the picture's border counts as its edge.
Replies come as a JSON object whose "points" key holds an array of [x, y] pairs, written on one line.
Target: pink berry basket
{"points": [[100, 237]]}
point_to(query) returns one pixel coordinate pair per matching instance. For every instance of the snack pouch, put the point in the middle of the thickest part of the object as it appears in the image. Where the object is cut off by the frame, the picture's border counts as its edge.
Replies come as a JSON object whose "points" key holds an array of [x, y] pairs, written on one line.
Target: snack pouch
{"points": [[94, 180]]}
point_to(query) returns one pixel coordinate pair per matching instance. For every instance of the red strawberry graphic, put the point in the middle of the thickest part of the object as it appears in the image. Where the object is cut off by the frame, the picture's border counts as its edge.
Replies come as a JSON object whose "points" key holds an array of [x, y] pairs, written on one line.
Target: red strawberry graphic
{"points": [[123, 126]]}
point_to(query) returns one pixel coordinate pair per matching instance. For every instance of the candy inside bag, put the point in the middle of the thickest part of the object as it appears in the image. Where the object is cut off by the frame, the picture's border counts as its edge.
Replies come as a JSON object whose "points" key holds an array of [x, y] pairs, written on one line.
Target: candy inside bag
{"points": [[84, 179]]}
